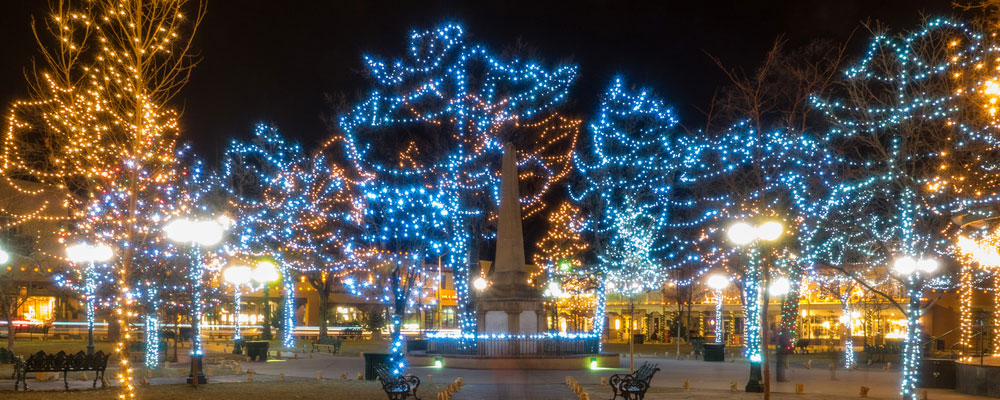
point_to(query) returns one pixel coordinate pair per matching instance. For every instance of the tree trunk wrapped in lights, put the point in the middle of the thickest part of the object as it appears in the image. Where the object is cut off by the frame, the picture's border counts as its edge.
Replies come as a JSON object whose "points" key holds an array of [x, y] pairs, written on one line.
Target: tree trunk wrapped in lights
{"points": [[110, 69]]}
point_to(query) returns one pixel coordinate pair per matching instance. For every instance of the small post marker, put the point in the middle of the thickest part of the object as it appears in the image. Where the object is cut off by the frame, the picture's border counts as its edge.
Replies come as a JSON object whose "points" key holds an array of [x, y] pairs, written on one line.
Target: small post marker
{"points": [[887, 366], [809, 364], [733, 387], [923, 394], [319, 375], [144, 381], [687, 384], [864, 391], [83, 376], [800, 388], [343, 376], [310, 355], [361, 376], [281, 377], [604, 381], [430, 378], [249, 376]]}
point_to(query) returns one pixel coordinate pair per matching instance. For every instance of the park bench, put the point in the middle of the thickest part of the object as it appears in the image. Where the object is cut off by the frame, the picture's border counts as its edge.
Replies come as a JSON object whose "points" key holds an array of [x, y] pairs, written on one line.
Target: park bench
{"points": [[30, 330], [351, 333], [397, 387], [331, 344], [633, 386], [61, 362]]}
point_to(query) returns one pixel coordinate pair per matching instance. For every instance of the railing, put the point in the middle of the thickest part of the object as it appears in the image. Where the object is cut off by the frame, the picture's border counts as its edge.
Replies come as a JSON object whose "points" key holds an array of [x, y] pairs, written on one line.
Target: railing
{"points": [[514, 346]]}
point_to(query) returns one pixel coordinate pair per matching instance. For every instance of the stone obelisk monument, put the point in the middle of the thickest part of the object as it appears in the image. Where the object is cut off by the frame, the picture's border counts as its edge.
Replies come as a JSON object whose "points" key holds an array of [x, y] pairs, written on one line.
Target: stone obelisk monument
{"points": [[509, 305]]}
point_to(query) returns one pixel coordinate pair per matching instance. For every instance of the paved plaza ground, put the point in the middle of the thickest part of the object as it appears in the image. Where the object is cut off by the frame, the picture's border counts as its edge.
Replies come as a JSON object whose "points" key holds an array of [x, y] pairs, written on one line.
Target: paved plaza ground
{"points": [[706, 380]]}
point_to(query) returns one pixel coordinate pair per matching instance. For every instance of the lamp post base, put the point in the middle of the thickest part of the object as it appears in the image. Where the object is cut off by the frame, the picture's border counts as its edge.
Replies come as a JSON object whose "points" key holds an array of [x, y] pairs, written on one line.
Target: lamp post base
{"points": [[756, 383], [196, 371], [238, 346], [90, 349]]}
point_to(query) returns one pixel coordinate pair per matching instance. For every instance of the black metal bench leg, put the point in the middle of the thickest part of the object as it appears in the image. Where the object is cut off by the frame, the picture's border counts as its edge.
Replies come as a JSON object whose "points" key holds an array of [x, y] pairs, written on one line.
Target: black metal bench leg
{"points": [[66, 380]]}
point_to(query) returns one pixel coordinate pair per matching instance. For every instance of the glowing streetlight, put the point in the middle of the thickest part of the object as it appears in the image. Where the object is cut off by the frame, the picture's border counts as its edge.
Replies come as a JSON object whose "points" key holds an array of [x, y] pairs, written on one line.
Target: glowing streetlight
{"points": [[264, 273], [780, 287], [915, 270], [908, 265], [770, 231], [480, 284], [4, 257], [742, 233], [718, 283], [237, 275], [204, 233], [89, 254]]}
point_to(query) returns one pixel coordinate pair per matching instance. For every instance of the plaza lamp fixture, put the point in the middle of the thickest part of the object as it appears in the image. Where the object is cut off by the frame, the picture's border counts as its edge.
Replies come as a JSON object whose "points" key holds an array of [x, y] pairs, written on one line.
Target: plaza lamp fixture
{"points": [[718, 283], [744, 234], [89, 254], [196, 234]]}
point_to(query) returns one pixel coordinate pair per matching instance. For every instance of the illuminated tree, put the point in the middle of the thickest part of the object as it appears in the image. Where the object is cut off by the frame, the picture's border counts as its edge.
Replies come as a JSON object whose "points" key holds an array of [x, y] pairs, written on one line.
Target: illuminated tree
{"points": [[770, 165], [911, 118], [625, 185], [560, 256], [269, 186], [99, 123], [325, 231], [449, 106]]}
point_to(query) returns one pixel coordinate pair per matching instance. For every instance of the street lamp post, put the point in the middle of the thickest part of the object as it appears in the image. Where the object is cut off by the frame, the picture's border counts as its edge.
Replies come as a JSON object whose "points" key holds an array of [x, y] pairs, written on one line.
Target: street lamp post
{"points": [[237, 275], [779, 288], [265, 273], [197, 233], [87, 253], [718, 283], [914, 271], [741, 234]]}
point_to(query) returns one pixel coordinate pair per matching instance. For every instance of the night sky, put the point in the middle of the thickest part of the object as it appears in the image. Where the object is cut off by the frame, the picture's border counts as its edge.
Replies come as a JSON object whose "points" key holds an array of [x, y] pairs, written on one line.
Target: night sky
{"points": [[274, 61]]}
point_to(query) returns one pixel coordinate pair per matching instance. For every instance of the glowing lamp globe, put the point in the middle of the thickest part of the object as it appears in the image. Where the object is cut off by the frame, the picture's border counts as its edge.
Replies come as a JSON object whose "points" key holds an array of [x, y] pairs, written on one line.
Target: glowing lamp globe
{"points": [[4, 257], [770, 231], [927, 265], [178, 229], [205, 232], [480, 283], [780, 287], [718, 282], [265, 272], [208, 232], [82, 252], [904, 265], [741, 233], [237, 274]]}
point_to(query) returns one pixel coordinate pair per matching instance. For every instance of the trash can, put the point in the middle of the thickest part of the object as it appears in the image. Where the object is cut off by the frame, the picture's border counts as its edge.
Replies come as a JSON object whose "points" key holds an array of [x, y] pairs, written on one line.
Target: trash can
{"points": [[638, 338], [257, 350], [937, 373], [715, 352], [372, 361]]}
